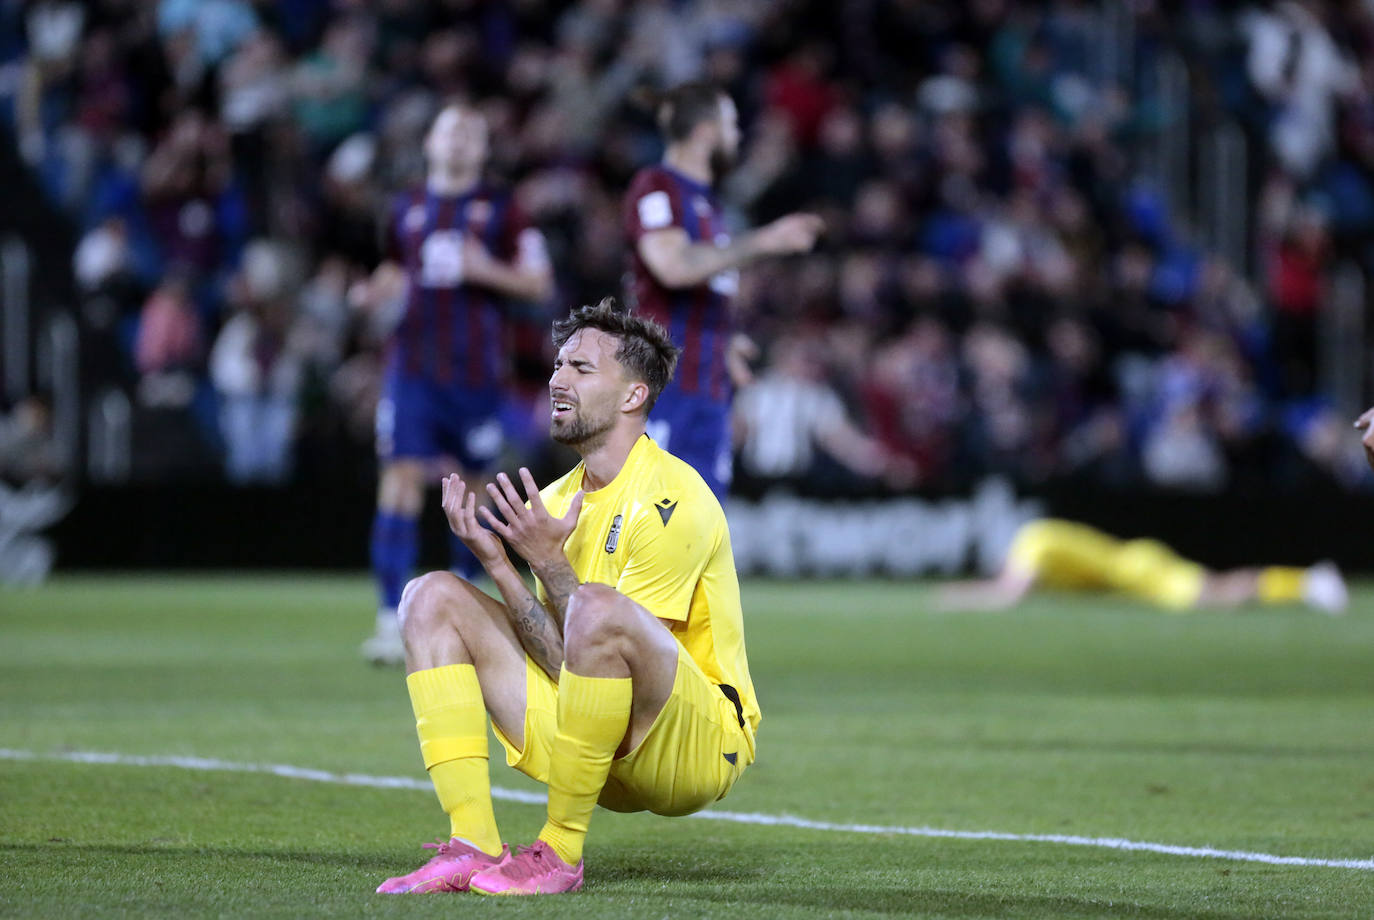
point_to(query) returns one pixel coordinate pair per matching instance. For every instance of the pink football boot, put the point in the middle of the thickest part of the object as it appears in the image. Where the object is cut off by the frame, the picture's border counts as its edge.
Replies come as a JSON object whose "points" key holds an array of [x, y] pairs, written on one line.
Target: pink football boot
{"points": [[532, 870], [450, 870]]}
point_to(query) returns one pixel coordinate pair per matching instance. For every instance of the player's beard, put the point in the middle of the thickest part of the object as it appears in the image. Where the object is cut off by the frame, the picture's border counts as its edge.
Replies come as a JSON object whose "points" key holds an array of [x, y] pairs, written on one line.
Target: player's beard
{"points": [[582, 432], [722, 162]]}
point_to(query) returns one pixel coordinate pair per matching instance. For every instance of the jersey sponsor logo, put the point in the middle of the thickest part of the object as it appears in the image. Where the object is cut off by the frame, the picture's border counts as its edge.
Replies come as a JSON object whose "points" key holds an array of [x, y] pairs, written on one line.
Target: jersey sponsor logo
{"points": [[613, 538], [441, 259], [655, 211], [666, 507]]}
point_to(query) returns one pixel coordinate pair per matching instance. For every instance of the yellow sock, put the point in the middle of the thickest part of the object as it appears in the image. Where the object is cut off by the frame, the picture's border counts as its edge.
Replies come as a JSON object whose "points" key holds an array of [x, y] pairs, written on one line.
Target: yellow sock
{"points": [[1280, 584], [593, 716], [451, 721]]}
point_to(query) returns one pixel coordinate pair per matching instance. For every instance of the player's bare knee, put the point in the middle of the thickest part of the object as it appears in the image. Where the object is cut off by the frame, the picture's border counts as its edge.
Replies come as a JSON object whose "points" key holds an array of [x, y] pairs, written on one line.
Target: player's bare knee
{"points": [[597, 620], [418, 602], [430, 601]]}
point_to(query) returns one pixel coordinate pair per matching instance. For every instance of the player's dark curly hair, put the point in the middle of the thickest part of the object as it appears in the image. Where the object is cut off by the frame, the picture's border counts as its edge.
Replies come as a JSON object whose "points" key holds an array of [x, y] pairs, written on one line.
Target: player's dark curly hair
{"points": [[683, 107], [646, 350]]}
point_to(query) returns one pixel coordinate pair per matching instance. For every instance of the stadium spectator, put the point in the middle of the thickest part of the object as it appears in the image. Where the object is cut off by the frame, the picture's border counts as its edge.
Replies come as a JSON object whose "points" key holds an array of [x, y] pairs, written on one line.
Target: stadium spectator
{"points": [[911, 395], [103, 255], [189, 197], [1301, 71], [257, 370], [169, 349], [1001, 433], [991, 165], [329, 87], [33, 490], [793, 429], [29, 452], [169, 334], [1298, 265]]}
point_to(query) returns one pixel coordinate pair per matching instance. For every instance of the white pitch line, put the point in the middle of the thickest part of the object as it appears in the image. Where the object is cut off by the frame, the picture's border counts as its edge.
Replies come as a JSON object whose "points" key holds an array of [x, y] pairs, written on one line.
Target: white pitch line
{"points": [[534, 798]]}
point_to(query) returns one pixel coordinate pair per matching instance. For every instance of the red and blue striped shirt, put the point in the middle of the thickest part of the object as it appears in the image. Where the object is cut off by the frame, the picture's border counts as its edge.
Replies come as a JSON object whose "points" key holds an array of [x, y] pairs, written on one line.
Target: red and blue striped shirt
{"points": [[698, 318], [452, 331]]}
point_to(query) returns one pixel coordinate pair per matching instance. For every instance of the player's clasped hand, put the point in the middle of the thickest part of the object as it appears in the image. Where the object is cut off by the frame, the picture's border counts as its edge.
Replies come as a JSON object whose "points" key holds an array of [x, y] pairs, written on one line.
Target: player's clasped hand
{"points": [[529, 528], [459, 507]]}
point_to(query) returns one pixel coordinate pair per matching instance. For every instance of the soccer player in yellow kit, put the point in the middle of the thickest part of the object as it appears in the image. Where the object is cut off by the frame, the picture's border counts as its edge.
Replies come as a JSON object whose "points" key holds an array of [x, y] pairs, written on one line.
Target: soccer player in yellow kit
{"points": [[1066, 555], [624, 681]]}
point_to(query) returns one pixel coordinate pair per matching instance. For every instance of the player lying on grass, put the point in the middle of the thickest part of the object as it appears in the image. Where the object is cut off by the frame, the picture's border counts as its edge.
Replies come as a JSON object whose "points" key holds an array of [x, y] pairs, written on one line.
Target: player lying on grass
{"points": [[1065, 555], [624, 682]]}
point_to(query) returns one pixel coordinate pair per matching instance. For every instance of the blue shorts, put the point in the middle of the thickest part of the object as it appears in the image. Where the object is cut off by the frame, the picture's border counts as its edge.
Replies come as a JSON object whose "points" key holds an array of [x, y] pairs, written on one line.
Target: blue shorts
{"points": [[695, 428], [420, 419]]}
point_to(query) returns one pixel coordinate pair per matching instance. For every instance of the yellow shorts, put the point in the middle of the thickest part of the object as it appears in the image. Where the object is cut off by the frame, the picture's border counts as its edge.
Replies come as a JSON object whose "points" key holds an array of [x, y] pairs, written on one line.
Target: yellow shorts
{"points": [[1151, 570], [691, 756]]}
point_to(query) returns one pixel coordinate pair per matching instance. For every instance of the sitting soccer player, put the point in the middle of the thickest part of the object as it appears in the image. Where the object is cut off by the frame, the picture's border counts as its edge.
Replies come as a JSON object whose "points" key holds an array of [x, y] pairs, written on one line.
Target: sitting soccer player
{"points": [[1070, 556], [624, 682]]}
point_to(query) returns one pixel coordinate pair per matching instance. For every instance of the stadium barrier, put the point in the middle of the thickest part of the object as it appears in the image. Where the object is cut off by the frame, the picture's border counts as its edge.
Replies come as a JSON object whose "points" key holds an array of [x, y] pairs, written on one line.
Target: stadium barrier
{"points": [[326, 527]]}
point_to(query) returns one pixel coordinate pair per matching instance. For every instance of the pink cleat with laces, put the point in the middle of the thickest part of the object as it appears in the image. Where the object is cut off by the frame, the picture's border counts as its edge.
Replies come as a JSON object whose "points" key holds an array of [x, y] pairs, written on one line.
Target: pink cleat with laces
{"points": [[531, 870], [450, 870]]}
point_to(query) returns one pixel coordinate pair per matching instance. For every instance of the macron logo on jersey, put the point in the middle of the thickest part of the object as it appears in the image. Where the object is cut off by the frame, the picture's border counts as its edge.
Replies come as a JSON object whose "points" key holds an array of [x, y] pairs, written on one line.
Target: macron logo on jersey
{"points": [[655, 211], [665, 509]]}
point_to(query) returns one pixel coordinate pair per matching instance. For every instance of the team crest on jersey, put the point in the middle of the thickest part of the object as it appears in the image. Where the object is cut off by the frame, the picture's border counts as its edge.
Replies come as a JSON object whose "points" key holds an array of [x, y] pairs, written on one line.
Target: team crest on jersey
{"points": [[701, 206], [415, 217], [613, 538]]}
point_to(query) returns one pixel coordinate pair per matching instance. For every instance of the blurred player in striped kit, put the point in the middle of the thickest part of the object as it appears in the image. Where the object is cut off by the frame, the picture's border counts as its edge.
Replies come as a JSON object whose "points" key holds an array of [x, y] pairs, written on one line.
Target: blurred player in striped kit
{"points": [[684, 272], [460, 250]]}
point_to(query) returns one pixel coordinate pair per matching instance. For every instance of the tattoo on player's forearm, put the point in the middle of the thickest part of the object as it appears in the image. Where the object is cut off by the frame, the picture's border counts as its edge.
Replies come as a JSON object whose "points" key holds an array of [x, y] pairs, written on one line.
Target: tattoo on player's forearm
{"points": [[559, 586], [539, 635]]}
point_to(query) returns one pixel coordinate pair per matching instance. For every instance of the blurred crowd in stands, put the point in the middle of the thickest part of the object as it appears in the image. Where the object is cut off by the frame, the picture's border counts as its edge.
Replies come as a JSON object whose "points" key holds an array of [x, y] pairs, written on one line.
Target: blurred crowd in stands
{"points": [[1007, 283]]}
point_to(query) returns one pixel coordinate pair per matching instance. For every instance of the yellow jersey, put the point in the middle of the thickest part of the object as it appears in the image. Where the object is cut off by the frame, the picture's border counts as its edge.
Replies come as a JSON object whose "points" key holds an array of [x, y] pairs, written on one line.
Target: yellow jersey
{"points": [[657, 534]]}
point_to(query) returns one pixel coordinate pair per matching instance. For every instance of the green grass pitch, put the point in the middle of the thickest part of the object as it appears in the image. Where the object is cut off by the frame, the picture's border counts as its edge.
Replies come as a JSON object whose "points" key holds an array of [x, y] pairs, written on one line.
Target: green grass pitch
{"points": [[1083, 716]]}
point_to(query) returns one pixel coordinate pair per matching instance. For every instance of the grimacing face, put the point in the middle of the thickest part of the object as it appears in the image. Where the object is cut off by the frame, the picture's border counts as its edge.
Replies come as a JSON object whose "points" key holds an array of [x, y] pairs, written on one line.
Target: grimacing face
{"points": [[587, 388]]}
